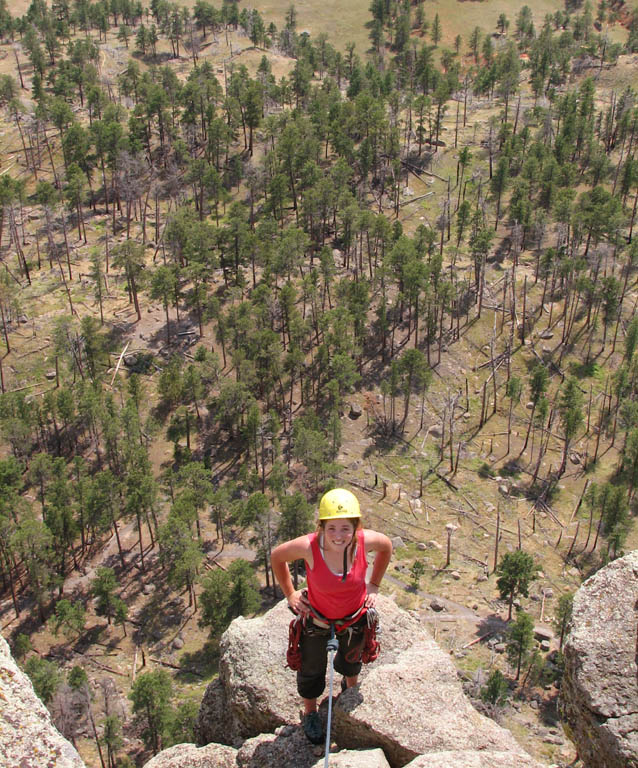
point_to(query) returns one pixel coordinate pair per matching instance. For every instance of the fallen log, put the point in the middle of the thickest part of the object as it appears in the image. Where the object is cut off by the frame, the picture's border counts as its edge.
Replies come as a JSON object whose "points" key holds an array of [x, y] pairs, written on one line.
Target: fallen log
{"points": [[176, 666], [119, 362], [105, 667], [415, 199], [477, 640]]}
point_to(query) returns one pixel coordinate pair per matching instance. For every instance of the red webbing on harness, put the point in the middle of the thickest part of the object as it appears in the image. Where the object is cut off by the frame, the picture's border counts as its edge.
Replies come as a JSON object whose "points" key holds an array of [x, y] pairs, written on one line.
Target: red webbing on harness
{"points": [[366, 652], [293, 654], [371, 647], [340, 624]]}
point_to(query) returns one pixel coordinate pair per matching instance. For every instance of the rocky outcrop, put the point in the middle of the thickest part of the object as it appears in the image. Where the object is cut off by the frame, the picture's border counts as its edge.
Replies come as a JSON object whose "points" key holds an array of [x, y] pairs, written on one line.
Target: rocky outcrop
{"points": [[600, 685], [28, 738], [409, 703], [408, 710], [415, 705], [190, 756], [369, 758], [254, 693], [465, 758]]}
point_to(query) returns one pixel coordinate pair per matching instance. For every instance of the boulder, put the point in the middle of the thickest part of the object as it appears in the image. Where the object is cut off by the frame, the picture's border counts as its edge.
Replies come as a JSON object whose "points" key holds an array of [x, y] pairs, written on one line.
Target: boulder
{"points": [[214, 721], [190, 756], [287, 748], [260, 692], [600, 684], [407, 703], [465, 758], [415, 705], [360, 758], [543, 633], [28, 738], [355, 411]]}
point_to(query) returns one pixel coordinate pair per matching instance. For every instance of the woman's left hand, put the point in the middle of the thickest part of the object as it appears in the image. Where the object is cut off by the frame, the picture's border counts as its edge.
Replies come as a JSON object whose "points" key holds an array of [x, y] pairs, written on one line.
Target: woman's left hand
{"points": [[371, 597]]}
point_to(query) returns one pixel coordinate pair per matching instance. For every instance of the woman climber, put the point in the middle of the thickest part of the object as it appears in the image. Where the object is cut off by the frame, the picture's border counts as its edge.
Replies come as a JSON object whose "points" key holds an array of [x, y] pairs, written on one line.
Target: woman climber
{"points": [[337, 594]]}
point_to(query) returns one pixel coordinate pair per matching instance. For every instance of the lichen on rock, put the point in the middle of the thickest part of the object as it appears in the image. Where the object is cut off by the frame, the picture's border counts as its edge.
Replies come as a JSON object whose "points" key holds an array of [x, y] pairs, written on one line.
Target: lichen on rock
{"points": [[191, 756], [28, 737], [408, 703], [600, 685]]}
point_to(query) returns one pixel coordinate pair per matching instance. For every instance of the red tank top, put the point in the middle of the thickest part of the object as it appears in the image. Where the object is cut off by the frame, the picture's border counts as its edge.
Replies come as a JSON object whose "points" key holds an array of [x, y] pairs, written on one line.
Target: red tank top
{"points": [[331, 596]]}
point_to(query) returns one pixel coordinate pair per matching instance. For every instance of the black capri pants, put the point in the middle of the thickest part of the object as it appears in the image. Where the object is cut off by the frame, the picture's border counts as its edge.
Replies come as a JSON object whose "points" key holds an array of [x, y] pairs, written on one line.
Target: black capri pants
{"points": [[311, 678]]}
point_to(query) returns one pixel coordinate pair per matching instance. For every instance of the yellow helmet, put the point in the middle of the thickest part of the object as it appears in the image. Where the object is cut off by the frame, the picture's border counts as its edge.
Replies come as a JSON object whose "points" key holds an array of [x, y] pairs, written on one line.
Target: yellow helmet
{"points": [[338, 503]]}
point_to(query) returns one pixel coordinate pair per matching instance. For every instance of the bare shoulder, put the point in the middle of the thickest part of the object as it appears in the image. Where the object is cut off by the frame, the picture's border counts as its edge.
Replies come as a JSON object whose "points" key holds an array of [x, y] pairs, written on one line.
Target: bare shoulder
{"points": [[295, 549], [375, 541]]}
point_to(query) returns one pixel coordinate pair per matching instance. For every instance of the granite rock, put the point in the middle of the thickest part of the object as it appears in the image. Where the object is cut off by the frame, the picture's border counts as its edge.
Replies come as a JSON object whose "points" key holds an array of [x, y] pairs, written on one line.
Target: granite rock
{"points": [[28, 738], [600, 686]]}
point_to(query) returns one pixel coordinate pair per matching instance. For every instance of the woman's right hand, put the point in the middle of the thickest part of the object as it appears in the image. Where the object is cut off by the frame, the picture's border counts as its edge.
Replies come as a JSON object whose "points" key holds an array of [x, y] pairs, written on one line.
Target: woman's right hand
{"points": [[298, 602]]}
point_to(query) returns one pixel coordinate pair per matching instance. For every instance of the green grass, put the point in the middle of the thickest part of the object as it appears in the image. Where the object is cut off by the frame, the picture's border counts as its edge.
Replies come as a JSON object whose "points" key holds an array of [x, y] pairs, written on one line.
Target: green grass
{"points": [[342, 22], [460, 18], [583, 370], [346, 22], [475, 660]]}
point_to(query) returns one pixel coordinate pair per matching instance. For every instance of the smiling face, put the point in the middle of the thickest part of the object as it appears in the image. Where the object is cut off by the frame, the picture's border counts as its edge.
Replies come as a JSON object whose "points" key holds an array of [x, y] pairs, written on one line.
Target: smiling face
{"points": [[338, 533]]}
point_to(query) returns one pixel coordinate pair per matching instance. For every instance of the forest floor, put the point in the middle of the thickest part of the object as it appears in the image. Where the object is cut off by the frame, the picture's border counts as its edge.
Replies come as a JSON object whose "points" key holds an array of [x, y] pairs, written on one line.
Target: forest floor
{"points": [[486, 480]]}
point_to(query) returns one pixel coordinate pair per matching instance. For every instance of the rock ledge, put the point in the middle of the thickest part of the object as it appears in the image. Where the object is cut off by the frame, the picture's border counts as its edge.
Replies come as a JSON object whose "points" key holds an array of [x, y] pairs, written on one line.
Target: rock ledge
{"points": [[600, 685]]}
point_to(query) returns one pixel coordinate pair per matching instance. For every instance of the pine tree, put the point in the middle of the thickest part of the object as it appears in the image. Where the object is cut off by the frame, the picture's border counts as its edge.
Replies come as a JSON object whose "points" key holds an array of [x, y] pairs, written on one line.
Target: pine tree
{"points": [[520, 640], [515, 572]]}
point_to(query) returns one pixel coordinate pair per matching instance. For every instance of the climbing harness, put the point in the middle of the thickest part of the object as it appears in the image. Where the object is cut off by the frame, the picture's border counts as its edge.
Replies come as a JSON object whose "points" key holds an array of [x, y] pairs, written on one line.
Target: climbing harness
{"points": [[332, 647], [293, 654], [340, 624], [366, 651]]}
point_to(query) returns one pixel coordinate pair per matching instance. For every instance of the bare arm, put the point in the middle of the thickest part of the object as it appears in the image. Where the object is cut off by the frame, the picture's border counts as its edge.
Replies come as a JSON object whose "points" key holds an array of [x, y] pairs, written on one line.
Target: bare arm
{"points": [[381, 544], [288, 552]]}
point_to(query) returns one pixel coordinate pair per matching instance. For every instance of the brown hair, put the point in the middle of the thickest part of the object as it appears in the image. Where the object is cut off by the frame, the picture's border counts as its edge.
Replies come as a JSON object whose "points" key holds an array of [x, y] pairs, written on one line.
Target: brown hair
{"points": [[356, 524]]}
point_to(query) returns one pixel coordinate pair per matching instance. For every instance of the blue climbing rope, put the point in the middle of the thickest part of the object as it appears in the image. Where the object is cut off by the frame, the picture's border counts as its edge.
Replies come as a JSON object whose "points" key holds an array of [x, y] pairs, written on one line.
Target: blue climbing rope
{"points": [[332, 647]]}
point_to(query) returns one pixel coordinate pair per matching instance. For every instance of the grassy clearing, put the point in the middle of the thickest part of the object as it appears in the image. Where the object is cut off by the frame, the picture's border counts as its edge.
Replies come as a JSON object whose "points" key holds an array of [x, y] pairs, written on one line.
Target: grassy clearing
{"points": [[347, 22]]}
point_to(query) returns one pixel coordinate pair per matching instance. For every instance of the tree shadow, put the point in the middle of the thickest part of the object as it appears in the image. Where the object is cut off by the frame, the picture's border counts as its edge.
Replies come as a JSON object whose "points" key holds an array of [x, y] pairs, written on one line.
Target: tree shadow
{"points": [[512, 468], [383, 441], [548, 710], [88, 638], [492, 624], [159, 617], [200, 664]]}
